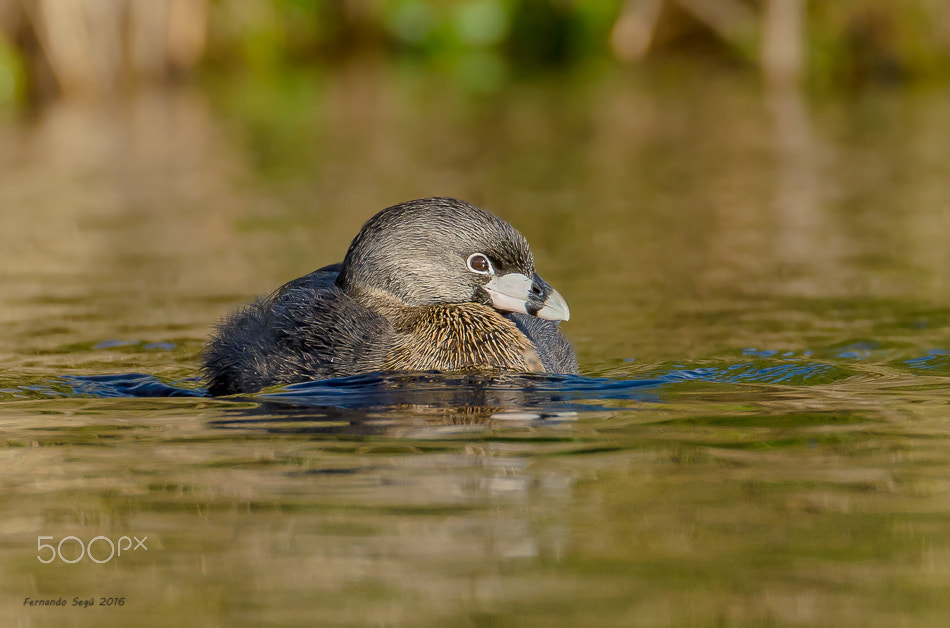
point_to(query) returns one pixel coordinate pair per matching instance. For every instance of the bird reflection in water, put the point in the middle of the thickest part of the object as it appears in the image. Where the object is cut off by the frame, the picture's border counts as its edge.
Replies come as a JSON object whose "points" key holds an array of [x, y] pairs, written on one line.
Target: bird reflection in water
{"points": [[379, 403]]}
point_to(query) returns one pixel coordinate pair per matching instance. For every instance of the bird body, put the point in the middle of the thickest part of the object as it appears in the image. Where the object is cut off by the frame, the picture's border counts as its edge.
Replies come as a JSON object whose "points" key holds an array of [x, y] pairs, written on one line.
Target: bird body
{"points": [[432, 284]]}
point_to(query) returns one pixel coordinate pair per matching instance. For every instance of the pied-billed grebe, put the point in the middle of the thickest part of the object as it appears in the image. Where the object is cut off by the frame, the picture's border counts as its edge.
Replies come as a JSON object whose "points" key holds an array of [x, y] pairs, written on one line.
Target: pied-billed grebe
{"points": [[431, 284]]}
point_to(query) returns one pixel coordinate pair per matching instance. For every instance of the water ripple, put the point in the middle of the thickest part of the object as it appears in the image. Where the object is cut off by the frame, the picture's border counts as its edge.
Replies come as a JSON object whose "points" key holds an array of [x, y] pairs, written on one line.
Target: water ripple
{"points": [[380, 390], [761, 372], [125, 385]]}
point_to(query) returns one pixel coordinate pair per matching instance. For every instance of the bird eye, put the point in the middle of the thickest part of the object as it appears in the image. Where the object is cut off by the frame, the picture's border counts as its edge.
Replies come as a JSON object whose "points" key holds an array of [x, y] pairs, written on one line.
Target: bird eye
{"points": [[478, 263]]}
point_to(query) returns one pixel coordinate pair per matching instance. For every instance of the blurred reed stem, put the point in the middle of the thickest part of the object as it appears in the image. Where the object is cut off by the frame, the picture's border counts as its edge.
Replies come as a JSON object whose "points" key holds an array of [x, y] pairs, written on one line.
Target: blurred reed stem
{"points": [[90, 48]]}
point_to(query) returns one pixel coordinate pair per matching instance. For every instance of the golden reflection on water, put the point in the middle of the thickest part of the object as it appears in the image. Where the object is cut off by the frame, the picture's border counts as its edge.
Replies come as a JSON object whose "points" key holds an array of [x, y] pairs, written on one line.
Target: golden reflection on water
{"points": [[684, 223]]}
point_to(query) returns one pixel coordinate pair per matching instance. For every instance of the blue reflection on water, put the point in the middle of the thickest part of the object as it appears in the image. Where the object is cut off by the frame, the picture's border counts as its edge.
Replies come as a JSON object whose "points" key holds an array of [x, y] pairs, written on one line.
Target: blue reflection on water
{"points": [[390, 387], [381, 389], [757, 373], [935, 360], [126, 385]]}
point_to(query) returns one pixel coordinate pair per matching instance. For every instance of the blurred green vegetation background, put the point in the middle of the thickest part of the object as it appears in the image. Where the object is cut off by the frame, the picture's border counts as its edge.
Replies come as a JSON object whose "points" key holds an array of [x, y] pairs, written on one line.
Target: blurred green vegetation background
{"points": [[52, 49]]}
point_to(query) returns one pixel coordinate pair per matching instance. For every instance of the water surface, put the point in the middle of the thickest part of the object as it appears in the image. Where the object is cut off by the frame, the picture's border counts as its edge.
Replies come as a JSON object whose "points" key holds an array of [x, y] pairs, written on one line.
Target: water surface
{"points": [[760, 303]]}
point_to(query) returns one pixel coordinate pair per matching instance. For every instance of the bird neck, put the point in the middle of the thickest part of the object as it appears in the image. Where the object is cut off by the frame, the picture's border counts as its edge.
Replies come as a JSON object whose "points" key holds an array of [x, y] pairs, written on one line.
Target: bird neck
{"points": [[379, 301]]}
